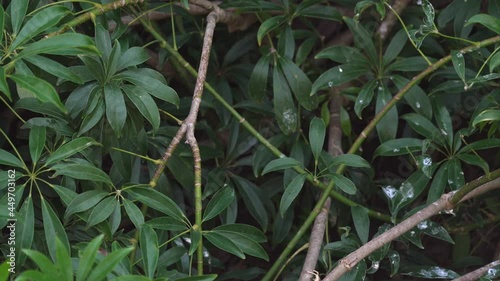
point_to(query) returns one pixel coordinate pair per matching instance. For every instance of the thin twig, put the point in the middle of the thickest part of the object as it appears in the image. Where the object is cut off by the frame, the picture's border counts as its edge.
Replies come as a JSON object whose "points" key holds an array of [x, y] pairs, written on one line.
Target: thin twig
{"points": [[390, 20], [476, 274]]}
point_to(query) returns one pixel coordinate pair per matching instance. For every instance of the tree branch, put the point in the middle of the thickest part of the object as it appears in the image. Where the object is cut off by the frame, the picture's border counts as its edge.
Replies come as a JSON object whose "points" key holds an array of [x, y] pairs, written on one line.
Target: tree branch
{"points": [[476, 274]]}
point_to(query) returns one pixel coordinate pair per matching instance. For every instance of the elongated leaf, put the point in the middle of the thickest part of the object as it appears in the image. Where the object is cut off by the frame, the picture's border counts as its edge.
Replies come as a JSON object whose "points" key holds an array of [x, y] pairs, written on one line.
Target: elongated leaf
{"points": [[131, 57], [257, 85], [209, 277], [365, 97], [134, 213], [195, 237], [224, 243], [243, 229], [284, 107], [494, 62], [399, 146], [286, 43], [317, 132], [410, 190], [473, 159], [269, 25], [455, 174], [291, 192], [340, 54], [280, 164], [145, 104], [116, 111], [108, 264], [41, 89], [362, 38], [388, 125], [481, 144], [350, 160], [40, 22], [4, 87], [490, 22], [430, 272], [438, 184], [6, 158], [221, 200], [25, 229], [443, 120], [64, 44], [18, 11], [247, 245], [93, 117], [102, 211], [395, 46], [148, 79], [88, 257], [84, 201], [114, 58], [63, 260], [82, 171], [337, 76], [486, 116], [415, 97], [299, 83], [345, 184], [149, 249], [67, 195], [322, 12], [42, 262], [157, 201], [253, 202], [459, 64], [424, 127], [54, 68], [70, 148], [53, 229], [361, 222]]}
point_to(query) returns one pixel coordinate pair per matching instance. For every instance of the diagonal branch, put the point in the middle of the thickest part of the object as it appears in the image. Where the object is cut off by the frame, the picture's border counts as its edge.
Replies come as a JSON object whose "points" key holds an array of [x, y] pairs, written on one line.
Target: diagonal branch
{"points": [[476, 274]]}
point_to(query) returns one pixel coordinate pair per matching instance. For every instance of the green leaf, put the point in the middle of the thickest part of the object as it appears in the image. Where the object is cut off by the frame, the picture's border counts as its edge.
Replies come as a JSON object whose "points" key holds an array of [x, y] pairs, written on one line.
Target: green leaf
{"points": [[438, 184], [132, 278], [344, 183], [388, 125], [64, 45], [490, 22], [395, 46], [209, 277], [291, 192], [455, 174], [144, 103], [415, 97], [18, 11], [494, 62], [84, 201], [67, 195], [280, 164], [262, 156], [299, 83], [286, 43], [63, 260], [408, 64], [473, 159], [337, 76], [486, 116], [86, 261], [5, 266], [91, 119], [114, 58], [409, 191], [103, 41], [246, 230], [41, 21], [269, 25], [167, 223], [321, 12], [42, 262], [399, 146], [247, 245], [82, 171], [224, 243], [4, 87], [394, 260], [257, 85], [53, 230], [284, 107], [6, 158], [41, 89], [254, 204], [108, 264], [221, 200], [70, 148], [481, 144], [361, 222], [350, 160], [340, 54], [433, 229], [443, 120], [457, 58], [317, 132], [362, 39], [365, 97], [25, 229], [149, 250], [152, 82], [102, 211], [305, 49], [131, 57], [116, 111], [424, 127], [54, 68], [134, 213], [195, 239], [157, 201]]}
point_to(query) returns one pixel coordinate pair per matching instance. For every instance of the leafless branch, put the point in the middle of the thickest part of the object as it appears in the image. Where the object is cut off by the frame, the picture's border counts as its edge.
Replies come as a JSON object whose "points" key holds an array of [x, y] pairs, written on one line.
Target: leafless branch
{"points": [[476, 274]]}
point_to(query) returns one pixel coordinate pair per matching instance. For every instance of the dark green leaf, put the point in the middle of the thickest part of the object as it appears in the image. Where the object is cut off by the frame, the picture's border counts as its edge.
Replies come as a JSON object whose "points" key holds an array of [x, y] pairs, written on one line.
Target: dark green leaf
{"points": [[286, 43], [415, 97], [54, 68], [268, 26], [344, 183], [246, 230], [224, 243], [84, 201], [395, 46], [481, 144], [219, 203], [399, 146], [494, 62], [409, 190], [6, 158], [388, 125], [321, 12], [67, 195], [443, 119], [41, 89], [4, 87], [82, 171], [114, 58], [102, 211], [473, 159], [249, 193], [149, 249], [299, 83], [291, 192], [195, 239], [41, 21], [25, 230], [365, 96], [284, 107], [42, 262], [257, 85], [70, 148], [490, 22], [131, 57], [144, 103], [64, 44], [103, 41], [116, 111], [18, 11], [486, 116], [86, 261], [167, 223], [209, 277], [53, 229], [394, 259], [424, 127], [337, 76], [63, 260], [262, 156], [152, 82], [458, 63], [433, 229], [455, 174], [438, 184], [280, 164], [340, 54], [133, 212], [361, 222], [157, 201], [408, 64], [247, 245], [108, 264], [362, 39], [317, 132], [350, 160]]}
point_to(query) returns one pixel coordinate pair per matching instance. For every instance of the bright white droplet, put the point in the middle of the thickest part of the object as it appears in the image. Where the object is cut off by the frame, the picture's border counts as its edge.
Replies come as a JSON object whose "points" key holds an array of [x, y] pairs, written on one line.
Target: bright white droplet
{"points": [[450, 182], [412, 233], [330, 84], [418, 105], [396, 150], [282, 155], [444, 132], [389, 191], [423, 225], [419, 2], [340, 70], [427, 161]]}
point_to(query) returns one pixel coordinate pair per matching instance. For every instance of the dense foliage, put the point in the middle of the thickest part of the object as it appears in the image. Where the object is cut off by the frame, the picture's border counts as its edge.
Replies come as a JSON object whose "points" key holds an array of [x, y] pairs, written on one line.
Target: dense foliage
{"points": [[93, 92]]}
